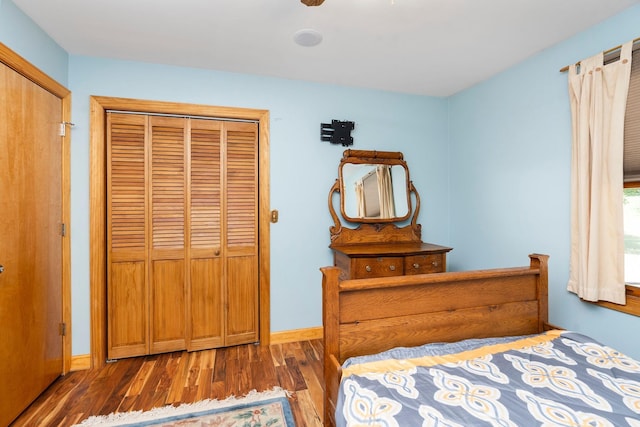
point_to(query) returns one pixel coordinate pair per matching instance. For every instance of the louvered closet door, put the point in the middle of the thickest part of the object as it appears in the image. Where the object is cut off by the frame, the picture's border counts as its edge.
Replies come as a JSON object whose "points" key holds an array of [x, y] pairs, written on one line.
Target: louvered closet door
{"points": [[206, 292], [241, 231], [146, 188], [127, 290], [182, 234], [168, 275]]}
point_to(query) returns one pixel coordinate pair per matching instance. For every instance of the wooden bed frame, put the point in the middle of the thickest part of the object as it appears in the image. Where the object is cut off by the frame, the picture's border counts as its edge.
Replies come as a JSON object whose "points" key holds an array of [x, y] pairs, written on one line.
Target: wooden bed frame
{"points": [[366, 316]]}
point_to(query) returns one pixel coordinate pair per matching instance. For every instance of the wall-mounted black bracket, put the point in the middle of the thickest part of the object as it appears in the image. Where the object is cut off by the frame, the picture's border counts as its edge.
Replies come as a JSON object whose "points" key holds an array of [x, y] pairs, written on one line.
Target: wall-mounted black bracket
{"points": [[337, 132]]}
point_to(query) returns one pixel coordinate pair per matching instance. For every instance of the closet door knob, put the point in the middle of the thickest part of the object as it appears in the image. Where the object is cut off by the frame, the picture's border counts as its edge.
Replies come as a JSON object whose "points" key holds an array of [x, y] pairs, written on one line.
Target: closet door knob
{"points": [[1, 268]]}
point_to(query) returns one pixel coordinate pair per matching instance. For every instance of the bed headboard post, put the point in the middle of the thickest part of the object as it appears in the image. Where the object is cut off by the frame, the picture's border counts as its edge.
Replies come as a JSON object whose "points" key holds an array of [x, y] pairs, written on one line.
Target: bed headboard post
{"points": [[541, 262]]}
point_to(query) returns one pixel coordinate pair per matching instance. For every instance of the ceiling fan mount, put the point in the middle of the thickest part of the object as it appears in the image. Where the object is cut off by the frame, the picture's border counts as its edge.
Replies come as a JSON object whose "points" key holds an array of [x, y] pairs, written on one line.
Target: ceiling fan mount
{"points": [[312, 2]]}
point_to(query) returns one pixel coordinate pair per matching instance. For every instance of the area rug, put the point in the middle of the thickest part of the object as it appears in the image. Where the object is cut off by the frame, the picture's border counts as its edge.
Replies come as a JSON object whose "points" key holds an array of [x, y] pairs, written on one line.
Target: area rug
{"points": [[270, 408]]}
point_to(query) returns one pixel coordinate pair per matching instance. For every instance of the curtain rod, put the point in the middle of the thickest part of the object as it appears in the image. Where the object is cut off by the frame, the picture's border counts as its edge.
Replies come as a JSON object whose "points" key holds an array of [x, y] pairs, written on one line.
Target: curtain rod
{"points": [[606, 52]]}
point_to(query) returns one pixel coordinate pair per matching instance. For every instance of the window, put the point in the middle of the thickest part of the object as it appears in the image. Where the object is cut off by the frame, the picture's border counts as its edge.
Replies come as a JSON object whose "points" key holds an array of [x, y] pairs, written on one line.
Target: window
{"points": [[631, 212], [631, 207], [632, 176], [631, 191]]}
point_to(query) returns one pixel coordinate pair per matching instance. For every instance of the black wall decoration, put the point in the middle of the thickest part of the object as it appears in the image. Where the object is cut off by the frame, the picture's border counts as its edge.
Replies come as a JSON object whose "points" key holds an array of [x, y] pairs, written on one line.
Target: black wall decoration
{"points": [[337, 132]]}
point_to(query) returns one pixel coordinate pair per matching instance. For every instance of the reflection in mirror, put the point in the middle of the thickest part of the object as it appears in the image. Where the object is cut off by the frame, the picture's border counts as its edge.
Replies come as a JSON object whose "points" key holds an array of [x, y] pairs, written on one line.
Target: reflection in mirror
{"points": [[374, 191]]}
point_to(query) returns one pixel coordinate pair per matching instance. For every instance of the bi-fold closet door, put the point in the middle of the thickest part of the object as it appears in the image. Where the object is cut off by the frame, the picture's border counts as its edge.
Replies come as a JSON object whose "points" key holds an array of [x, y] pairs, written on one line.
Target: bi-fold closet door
{"points": [[182, 234]]}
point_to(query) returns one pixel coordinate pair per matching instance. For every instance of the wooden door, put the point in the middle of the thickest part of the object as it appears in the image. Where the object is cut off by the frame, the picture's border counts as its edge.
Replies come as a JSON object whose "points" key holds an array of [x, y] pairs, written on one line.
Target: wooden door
{"points": [[224, 234], [182, 234], [127, 275], [241, 242], [206, 296], [166, 215], [30, 242]]}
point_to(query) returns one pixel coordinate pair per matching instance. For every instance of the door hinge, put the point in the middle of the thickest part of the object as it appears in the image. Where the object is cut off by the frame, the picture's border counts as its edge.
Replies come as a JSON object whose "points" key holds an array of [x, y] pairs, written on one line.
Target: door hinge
{"points": [[63, 229], [63, 128], [63, 329]]}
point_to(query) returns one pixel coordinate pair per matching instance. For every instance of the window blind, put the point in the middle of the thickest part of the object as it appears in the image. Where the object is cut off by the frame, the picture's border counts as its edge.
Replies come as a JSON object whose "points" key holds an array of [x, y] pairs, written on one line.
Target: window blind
{"points": [[632, 123]]}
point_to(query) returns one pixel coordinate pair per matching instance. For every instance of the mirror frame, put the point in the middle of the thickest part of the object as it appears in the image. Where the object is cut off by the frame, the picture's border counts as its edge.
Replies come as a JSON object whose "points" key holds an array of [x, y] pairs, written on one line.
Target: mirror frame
{"points": [[374, 158], [374, 230]]}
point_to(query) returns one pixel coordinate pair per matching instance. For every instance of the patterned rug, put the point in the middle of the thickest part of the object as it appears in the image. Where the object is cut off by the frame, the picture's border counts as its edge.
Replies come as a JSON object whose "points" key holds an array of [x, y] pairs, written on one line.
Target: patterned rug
{"points": [[270, 408]]}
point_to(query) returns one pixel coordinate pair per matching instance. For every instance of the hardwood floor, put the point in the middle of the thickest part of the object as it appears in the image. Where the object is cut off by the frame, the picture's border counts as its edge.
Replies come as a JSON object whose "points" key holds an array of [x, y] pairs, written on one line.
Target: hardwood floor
{"points": [[173, 378]]}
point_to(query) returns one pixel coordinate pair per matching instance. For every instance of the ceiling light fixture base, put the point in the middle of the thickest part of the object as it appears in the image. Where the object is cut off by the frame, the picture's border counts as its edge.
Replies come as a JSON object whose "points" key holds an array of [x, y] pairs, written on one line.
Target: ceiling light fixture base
{"points": [[307, 37]]}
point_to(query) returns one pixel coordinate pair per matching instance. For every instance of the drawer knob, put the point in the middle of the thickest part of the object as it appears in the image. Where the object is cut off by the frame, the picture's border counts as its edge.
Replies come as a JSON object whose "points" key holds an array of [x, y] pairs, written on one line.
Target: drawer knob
{"points": [[434, 263], [392, 267], [416, 265], [368, 268]]}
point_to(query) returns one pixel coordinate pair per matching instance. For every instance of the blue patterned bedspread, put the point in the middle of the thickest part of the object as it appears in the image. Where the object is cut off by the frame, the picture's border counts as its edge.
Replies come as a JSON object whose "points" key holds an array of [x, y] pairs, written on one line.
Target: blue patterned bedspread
{"points": [[552, 379]]}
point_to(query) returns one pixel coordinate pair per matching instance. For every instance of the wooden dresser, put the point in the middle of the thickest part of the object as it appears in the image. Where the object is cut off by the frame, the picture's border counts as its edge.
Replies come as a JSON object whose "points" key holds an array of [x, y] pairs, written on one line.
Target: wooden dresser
{"points": [[379, 246], [363, 261]]}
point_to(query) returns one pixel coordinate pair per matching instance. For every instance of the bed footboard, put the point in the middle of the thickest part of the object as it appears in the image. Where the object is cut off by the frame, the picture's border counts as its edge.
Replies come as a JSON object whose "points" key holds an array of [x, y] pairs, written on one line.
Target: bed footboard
{"points": [[366, 316]]}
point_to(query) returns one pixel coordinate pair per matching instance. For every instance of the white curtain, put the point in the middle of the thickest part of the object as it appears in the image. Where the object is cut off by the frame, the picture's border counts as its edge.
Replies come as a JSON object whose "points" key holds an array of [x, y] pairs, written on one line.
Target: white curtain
{"points": [[598, 95], [359, 187], [385, 191]]}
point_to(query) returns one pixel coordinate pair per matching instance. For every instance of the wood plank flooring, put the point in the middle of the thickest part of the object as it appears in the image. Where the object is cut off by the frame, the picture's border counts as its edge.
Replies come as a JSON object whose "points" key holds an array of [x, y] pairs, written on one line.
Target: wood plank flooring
{"points": [[145, 382]]}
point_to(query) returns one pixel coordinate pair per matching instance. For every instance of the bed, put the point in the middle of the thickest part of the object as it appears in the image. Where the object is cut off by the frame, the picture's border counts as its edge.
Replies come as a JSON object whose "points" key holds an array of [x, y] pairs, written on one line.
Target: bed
{"points": [[493, 357]]}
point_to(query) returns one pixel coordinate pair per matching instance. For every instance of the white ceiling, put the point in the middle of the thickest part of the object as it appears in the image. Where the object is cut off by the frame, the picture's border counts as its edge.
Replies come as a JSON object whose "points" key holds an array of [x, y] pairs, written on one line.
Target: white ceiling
{"points": [[426, 47]]}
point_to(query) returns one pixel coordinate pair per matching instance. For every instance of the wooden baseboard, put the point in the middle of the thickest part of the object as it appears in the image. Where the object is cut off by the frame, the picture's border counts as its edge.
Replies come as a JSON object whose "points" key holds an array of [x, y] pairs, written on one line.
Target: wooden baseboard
{"points": [[80, 362], [83, 361], [296, 335]]}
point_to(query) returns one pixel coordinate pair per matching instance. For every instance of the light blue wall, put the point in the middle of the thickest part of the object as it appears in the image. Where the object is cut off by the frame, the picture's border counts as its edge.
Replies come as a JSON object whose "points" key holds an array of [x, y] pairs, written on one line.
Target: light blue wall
{"points": [[491, 164], [23, 36], [303, 168], [510, 141]]}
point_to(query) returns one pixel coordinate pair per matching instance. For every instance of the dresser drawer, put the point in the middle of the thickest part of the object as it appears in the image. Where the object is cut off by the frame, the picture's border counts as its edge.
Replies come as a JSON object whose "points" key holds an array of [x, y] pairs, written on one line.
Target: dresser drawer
{"points": [[423, 264], [377, 267]]}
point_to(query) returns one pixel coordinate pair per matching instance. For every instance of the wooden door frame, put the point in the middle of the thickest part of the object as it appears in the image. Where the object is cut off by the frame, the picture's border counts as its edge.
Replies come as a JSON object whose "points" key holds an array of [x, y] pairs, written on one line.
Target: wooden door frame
{"points": [[98, 207], [20, 65]]}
